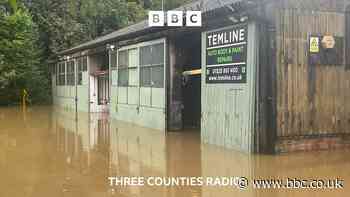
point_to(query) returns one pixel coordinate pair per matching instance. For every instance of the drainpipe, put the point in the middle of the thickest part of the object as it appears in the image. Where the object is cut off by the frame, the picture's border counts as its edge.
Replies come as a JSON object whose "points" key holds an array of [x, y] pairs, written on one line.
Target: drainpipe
{"points": [[76, 88], [110, 48]]}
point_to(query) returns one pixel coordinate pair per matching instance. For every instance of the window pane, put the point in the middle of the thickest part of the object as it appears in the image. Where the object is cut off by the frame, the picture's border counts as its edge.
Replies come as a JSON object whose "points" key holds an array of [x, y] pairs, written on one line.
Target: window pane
{"points": [[145, 55], [70, 67], [145, 76], [123, 77], [123, 59], [84, 63], [114, 77], [57, 73], [133, 58], [79, 64], [62, 71], [158, 76], [62, 68], [70, 73], [80, 78], [113, 60], [158, 54], [133, 77]]}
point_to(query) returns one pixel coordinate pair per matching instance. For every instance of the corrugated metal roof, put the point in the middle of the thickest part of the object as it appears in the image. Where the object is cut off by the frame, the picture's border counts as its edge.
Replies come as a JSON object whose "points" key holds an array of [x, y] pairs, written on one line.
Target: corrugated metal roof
{"points": [[203, 5]]}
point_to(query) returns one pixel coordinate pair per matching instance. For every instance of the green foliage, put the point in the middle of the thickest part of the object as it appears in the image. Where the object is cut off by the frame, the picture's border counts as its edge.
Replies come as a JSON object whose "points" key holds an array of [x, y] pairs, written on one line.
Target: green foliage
{"points": [[64, 24], [20, 59], [13, 4], [102, 17], [168, 4], [32, 32]]}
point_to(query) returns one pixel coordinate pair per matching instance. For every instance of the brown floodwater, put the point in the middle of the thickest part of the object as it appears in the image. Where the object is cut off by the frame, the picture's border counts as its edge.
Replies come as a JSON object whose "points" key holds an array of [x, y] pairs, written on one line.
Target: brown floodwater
{"points": [[50, 152]]}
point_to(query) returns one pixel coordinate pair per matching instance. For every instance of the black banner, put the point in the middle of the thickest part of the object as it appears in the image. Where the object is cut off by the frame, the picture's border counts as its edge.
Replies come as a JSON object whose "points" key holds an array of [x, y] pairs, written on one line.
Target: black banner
{"points": [[227, 74], [226, 55]]}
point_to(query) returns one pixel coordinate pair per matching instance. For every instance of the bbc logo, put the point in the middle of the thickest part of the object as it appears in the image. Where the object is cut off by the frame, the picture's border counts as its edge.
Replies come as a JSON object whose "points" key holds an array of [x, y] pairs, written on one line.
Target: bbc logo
{"points": [[174, 18]]}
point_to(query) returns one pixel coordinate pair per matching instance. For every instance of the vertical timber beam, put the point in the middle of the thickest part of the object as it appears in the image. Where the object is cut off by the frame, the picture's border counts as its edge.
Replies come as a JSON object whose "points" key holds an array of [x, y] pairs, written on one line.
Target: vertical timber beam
{"points": [[174, 114]]}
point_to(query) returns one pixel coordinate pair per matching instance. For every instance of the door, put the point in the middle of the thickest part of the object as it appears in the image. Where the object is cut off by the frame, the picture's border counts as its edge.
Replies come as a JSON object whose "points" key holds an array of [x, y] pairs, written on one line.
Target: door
{"points": [[82, 84], [229, 58]]}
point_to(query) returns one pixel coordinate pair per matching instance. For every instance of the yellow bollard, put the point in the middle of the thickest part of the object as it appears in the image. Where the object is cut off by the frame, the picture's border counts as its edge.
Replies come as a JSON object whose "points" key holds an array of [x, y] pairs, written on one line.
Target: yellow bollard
{"points": [[24, 98]]}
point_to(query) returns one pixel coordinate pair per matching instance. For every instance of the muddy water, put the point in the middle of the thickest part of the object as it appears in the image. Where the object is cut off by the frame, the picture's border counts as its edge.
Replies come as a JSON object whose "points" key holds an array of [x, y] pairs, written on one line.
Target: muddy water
{"points": [[46, 152]]}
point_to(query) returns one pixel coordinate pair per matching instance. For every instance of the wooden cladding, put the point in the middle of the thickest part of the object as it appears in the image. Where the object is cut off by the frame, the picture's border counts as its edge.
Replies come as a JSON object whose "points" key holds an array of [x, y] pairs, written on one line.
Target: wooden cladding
{"points": [[312, 100], [347, 39]]}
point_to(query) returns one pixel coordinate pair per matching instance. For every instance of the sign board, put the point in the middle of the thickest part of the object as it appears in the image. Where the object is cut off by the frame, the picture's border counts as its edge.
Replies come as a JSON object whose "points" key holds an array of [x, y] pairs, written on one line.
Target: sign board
{"points": [[326, 50], [314, 44], [226, 55]]}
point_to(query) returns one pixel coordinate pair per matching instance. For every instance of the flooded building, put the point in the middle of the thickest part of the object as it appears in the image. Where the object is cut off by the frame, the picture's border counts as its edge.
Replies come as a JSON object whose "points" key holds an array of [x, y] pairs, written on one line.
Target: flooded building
{"points": [[257, 76]]}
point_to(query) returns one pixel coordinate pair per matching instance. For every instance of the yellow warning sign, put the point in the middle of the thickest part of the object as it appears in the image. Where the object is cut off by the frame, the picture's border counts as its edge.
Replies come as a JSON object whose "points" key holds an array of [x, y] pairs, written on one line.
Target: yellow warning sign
{"points": [[314, 44]]}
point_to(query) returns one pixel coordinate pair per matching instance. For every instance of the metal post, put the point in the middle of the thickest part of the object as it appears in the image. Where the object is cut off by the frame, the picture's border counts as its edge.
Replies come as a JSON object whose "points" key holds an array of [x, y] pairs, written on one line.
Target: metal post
{"points": [[109, 77], [76, 88]]}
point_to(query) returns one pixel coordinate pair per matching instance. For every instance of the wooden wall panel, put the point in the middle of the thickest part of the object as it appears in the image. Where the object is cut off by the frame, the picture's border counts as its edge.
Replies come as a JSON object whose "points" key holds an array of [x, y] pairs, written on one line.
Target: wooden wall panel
{"points": [[311, 99]]}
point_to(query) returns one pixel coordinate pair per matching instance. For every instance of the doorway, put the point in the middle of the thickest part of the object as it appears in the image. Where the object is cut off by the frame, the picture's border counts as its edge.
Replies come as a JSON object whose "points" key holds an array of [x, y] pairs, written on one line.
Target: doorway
{"points": [[99, 82], [185, 91]]}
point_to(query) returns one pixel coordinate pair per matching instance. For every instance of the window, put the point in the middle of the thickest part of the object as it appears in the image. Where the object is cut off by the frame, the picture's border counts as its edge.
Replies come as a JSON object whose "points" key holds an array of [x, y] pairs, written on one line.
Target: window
{"points": [[70, 73], [52, 69], [82, 67], [347, 37], [80, 72], [139, 74], [113, 60], [127, 68], [123, 75], [152, 66], [103, 90], [61, 74], [132, 68], [57, 73]]}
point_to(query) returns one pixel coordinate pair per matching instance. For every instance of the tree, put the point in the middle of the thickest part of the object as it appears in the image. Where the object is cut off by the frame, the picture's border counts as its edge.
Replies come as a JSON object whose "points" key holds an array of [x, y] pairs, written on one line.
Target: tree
{"points": [[34, 31], [20, 58], [168, 4], [66, 23]]}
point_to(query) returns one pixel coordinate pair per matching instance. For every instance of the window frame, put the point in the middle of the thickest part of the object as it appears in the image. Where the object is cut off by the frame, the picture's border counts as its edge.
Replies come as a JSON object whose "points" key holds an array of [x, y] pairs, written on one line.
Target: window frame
{"points": [[151, 66], [61, 76], [114, 63], [133, 67], [124, 68], [138, 46], [70, 72], [81, 67]]}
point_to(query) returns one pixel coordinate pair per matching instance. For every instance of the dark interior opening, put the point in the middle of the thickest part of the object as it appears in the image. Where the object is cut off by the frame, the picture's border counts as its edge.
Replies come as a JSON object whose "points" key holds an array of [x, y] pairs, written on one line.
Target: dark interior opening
{"points": [[99, 64], [189, 60]]}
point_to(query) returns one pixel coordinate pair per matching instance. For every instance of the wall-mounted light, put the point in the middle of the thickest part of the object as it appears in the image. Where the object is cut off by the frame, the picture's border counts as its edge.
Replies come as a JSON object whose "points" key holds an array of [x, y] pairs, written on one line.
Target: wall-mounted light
{"points": [[237, 19], [244, 18], [110, 47], [66, 58], [233, 19]]}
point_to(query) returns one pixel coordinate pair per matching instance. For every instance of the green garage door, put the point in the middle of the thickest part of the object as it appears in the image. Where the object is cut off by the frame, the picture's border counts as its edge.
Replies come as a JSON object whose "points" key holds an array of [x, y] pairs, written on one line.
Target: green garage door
{"points": [[228, 86]]}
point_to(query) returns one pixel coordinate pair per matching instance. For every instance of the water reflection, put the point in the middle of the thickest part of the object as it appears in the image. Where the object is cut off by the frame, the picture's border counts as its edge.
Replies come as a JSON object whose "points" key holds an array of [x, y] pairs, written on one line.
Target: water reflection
{"points": [[46, 152]]}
